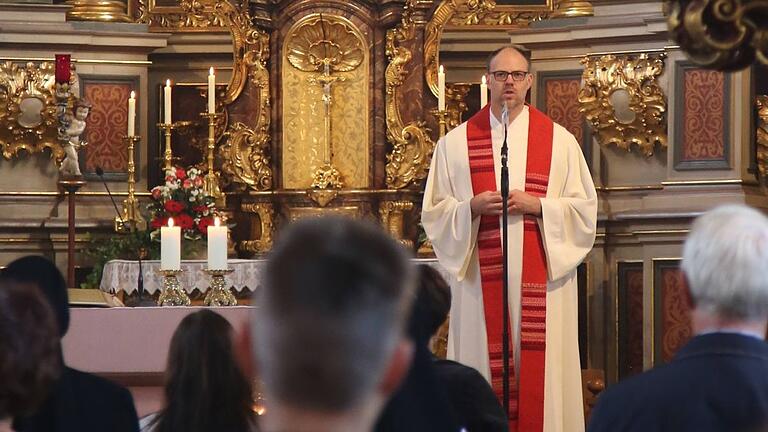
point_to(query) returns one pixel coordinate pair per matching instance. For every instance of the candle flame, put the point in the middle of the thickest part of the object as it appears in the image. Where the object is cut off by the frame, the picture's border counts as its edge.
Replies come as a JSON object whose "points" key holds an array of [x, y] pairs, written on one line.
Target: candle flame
{"points": [[167, 83], [483, 80], [217, 221], [170, 222], [133, 95], [441, 69], [210, 71]]}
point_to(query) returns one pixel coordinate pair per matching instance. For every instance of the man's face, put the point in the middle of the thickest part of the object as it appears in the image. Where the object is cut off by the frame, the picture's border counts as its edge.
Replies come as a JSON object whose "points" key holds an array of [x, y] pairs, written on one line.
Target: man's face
{"points": [[510, 90]]}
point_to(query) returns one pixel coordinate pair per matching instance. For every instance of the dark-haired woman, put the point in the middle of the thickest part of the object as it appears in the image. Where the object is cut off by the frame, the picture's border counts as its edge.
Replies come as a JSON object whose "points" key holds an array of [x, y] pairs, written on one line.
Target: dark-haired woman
{"points": [[205, 389]]}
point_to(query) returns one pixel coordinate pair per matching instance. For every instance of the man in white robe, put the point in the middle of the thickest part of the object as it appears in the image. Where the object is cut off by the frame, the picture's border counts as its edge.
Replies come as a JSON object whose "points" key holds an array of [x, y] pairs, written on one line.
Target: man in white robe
{"points": [[566, 217]]}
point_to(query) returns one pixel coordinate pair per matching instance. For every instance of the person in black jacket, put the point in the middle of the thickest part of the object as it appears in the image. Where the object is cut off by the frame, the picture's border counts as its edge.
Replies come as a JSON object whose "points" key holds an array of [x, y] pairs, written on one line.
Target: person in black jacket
{"points": [[439, 395], [719, 380], [78, 401]]}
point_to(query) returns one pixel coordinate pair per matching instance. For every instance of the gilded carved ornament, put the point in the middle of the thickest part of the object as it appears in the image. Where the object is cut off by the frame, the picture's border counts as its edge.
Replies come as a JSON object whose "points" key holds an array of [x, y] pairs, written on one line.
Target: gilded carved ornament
{"points": [[411, 144], [720, 34], [245, 151], [392, 218], [28, 110], [189, 15], [762, 136], [262, 231], [623, 102]]}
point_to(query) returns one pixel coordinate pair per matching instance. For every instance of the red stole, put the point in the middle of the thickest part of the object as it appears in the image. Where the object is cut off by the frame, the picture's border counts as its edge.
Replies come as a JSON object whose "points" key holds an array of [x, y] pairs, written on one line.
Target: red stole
{"points": [[526, 413]]}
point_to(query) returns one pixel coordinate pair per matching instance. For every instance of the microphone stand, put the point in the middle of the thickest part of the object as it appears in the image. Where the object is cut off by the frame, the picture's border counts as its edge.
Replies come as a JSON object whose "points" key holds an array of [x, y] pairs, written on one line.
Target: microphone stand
{"points": [[505, 263], [140, 281]]}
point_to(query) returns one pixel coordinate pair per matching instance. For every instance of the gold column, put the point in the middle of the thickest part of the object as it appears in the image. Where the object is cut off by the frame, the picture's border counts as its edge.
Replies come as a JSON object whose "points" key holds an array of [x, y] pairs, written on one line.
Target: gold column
{"points": [[98, 10], [572, 8]]}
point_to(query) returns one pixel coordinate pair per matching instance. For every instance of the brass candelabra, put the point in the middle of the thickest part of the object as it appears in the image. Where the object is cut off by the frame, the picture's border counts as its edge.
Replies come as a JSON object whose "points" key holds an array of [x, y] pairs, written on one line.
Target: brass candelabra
{"points": [[172, 294], [131, 219], [211, 181], [168, 154], [218, 294]]}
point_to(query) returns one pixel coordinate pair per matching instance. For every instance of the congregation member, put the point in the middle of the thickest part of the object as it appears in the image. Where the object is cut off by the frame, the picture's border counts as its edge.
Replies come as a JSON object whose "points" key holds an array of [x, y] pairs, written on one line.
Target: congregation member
{"points": [[473, 403], [78, 401], [328, 329], [29, 351], [718, 381], [205, 389], [552, 223]]}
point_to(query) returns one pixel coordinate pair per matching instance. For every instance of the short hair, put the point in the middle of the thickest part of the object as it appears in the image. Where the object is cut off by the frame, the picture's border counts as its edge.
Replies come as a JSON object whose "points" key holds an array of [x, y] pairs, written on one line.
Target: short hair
{"points": [[331, 308], [43, 273], [30, 359], [520, 50], [724, 259], [433, 299]]}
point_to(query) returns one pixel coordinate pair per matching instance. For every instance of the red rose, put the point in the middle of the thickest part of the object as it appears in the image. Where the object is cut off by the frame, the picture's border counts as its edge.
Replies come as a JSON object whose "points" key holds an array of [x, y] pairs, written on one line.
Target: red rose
{"points": [[185, 221], [180, 173], [204, 223], [159, 222], [187, 184], [200, 208], [172, 206], [198, 181], [170, 179]]}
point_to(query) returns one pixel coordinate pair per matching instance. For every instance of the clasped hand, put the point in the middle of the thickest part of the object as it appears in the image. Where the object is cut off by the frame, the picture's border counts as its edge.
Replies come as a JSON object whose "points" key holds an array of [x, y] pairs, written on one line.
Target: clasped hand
{"points": [[518, 203]]}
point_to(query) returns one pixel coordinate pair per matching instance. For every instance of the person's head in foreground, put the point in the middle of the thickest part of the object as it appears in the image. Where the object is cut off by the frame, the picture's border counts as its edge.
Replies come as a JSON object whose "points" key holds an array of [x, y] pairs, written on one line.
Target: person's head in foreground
{"points": [[29, 350], [205, 388], [725, 261], [328, 329]]}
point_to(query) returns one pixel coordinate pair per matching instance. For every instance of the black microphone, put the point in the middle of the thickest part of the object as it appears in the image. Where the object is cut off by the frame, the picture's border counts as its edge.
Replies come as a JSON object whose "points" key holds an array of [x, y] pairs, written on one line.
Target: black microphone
{"points": [[140, 281], [100, 173]]}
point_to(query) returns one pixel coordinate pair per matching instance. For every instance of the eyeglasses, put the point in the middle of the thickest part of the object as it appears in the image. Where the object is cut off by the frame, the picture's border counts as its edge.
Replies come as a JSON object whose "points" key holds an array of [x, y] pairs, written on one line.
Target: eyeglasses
{"points": [[501, 76]]}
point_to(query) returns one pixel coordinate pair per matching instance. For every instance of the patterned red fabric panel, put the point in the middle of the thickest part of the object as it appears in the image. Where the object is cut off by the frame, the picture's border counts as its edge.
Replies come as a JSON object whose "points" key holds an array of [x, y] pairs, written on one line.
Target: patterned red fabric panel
{"points": [[107, 124], [703, 115], [675, 313], [562, 105]]}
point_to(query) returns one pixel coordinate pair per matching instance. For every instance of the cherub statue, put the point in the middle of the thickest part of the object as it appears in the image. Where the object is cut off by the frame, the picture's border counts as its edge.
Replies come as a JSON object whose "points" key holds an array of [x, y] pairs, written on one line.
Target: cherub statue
{"points": [[72, 126]]}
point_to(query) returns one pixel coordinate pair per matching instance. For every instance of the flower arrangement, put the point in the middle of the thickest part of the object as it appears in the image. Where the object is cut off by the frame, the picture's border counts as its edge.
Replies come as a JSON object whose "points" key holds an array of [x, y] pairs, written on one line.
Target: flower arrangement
{"points": [[183, 198]]}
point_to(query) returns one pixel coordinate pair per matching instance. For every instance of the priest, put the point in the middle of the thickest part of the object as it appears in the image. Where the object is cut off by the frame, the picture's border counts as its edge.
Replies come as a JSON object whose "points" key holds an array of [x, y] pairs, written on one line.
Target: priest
{"points": [[551, 227]]}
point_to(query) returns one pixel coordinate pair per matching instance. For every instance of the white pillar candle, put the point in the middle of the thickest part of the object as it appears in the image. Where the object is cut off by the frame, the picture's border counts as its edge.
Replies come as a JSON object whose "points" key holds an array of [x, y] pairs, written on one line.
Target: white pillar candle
{"points": [[441, 89], [170, 247], [211, 92], [132, 114], [167, 102], [217, 246], [483, 92]]}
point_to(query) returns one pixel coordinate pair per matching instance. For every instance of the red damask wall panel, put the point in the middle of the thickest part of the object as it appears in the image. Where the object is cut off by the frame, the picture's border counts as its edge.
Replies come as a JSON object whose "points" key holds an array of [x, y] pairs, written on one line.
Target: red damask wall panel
{"points": [[107, 124], [673, 321], [562, 100], [702, 118]]}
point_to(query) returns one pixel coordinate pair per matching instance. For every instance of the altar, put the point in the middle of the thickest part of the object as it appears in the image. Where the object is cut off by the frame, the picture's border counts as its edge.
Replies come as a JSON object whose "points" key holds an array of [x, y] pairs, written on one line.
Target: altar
{"points": [[120, 277]]}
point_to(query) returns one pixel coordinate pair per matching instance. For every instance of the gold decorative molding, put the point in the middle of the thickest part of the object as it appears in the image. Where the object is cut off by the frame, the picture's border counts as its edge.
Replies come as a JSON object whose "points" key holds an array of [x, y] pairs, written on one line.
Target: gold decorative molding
{"points": [[28, 110], [296, 213], [622, 100], [187, 16], [245, 150], [455, 99], [262, 231], [98, 10], [720, 34], [761, 137], [392, 217], [246, 158], [412, 145]]}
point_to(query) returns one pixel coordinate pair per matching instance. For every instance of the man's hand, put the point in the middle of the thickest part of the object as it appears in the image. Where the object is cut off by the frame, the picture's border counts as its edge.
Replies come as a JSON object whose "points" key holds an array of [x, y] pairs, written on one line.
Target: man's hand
{"points": [[486, 203], [522, 203]]}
